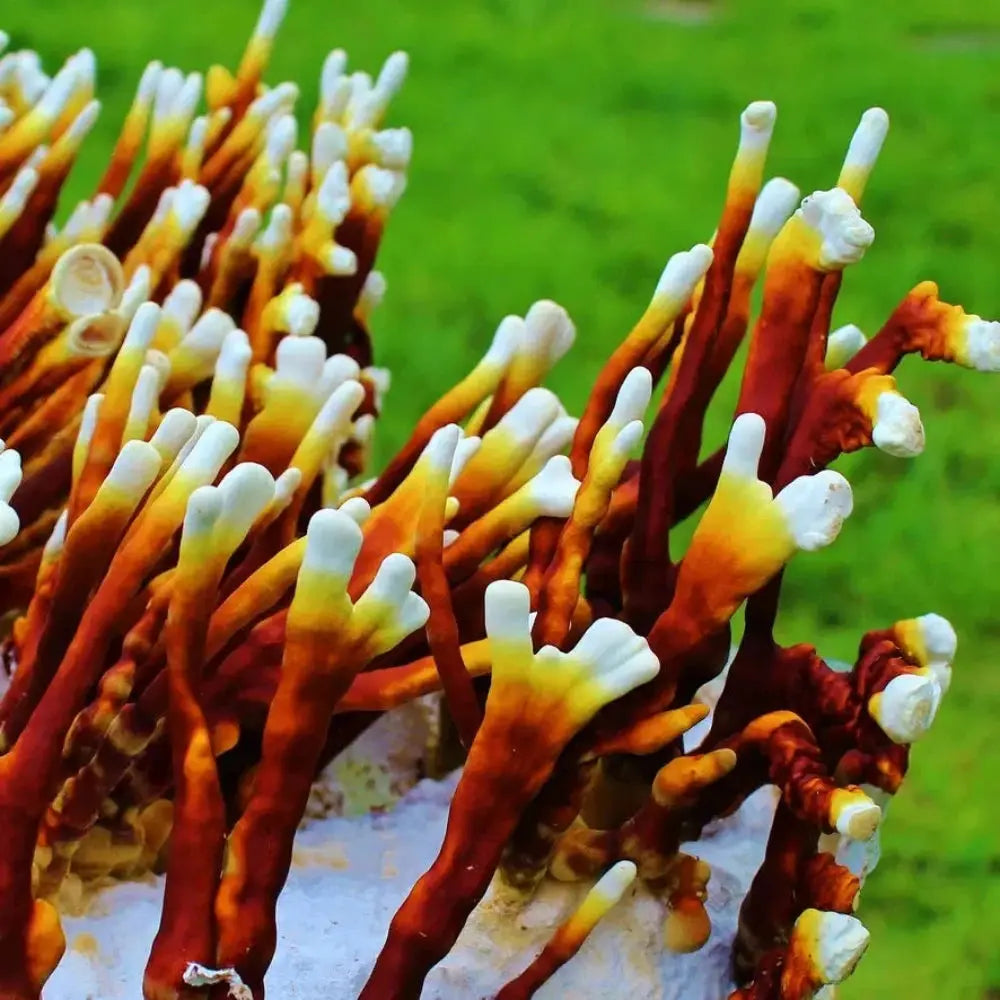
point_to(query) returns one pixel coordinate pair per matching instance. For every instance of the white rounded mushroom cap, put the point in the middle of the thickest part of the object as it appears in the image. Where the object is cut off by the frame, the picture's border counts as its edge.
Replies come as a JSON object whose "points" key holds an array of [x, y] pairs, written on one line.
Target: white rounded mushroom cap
{"points": [[897, 429], [87, 279], [906, 708], [815, 508], [841, 940], [844, 234], [982, 344], [859, 819], [9, 524]]}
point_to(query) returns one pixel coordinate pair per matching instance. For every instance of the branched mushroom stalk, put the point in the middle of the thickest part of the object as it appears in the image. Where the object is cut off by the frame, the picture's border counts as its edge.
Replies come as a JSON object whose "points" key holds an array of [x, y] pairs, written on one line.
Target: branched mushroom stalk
{"points": [[538, 702], [205, 600]]}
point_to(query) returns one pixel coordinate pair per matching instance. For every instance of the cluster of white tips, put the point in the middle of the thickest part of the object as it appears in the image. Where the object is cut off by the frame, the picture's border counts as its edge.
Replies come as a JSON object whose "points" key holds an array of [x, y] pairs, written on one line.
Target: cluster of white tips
{"points": [[608, 661], [611, 653], [227, 512], [388, 610], [87, 222], [301, 362]]}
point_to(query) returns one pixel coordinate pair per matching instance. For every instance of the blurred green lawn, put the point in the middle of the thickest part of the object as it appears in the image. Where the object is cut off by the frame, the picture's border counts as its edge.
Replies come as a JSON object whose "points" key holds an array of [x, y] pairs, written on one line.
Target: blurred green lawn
{"points": [[564, 150]]}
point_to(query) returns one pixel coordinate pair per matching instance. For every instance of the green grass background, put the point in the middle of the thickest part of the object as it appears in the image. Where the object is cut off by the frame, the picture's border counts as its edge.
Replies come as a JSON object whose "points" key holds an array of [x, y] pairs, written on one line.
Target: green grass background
{"points": [[565, 150]]}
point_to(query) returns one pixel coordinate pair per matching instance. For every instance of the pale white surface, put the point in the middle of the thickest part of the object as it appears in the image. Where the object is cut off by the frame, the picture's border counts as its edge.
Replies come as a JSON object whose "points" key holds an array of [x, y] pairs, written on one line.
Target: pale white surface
{"points": [[352, 871], [350, 875]]}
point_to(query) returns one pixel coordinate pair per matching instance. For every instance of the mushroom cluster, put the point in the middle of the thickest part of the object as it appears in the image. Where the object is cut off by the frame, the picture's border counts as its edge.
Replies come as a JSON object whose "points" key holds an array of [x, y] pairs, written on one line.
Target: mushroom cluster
{"points": [[206, 597]]}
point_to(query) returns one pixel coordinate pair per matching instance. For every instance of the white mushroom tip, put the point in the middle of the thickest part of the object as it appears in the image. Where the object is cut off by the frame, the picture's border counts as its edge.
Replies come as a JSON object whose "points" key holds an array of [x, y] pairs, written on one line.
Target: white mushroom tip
{"points": [[393, 148], [507, 340], [777, 200], [302, 315], [549, 330], [746, 442], [10, 524], [440, 451], [527, 419], [612, 885], [146, 90], [897, 429], [466, 448], [384, 187], [333, 541], [357, 509], [246, 490], [835, 218], [372, 292], [842, 344], [815, 508], [175, 428], [866, 143], [615, 657], [271, 15], [633, 397], [757, 125], [189, 205], [981, 350], [339, 260], [211, 449], [393, 73], [939, 637], [234, 355], [554, 488], [134, 469], [905, 709], [683, 272], [840, 942], [507, 607], [859, 819], [246, 227]]}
